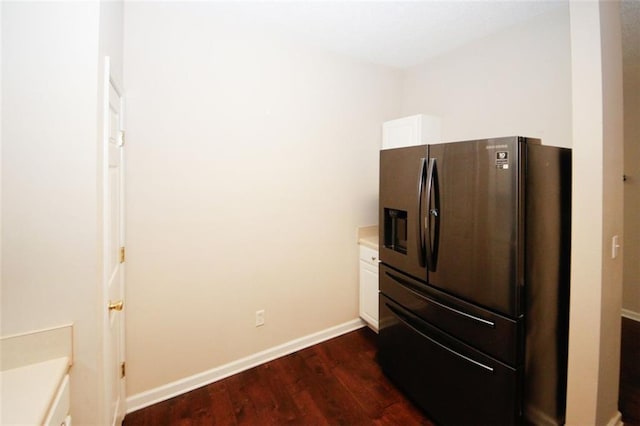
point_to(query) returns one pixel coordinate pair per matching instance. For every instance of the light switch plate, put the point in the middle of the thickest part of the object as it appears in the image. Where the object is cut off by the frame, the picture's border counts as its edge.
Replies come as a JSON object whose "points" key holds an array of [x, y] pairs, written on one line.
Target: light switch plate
{"points": [[615, 246]]}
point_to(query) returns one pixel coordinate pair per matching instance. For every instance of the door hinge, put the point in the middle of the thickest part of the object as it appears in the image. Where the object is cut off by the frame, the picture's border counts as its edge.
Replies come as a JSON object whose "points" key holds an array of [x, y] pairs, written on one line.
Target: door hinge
{"points": [[122, 255], [121, 138], [123, 370]]}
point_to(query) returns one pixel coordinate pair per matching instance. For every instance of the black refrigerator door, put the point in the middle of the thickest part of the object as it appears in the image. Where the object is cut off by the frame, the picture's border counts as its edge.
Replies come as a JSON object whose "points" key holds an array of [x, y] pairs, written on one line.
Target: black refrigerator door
{"points": [[475, 212], [402, 201]]}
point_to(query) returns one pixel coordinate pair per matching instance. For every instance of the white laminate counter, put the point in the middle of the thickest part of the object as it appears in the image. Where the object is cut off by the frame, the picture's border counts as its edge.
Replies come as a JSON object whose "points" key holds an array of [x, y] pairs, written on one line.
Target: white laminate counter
{"points": [[28, 391], [34, 376], [368, 236]]}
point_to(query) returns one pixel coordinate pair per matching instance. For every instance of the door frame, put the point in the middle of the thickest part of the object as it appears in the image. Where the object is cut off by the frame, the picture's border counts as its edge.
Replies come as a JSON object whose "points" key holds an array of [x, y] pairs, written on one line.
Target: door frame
{"points": [[110, 417]]}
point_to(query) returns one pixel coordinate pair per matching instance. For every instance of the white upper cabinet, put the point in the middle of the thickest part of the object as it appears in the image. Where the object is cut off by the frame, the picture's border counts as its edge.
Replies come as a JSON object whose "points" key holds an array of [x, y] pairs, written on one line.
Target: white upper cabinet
{"points": [[409, 131]]}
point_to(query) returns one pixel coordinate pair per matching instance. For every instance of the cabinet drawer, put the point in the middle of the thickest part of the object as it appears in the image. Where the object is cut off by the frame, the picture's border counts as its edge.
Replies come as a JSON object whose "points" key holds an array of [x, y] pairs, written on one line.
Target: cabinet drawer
{"points": [[369, 255], [489, 332], [61, 404]]}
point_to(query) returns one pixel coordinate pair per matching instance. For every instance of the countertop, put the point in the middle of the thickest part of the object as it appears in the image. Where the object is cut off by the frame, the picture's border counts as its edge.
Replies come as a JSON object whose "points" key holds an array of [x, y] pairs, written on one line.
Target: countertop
{"points": [[33, 367], [368, 236], [28, 391]]}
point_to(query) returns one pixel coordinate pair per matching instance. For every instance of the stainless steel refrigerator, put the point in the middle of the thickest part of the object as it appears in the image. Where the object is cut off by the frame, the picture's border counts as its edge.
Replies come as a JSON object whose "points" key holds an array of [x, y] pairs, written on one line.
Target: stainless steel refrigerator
{"points": [[474, 279]]}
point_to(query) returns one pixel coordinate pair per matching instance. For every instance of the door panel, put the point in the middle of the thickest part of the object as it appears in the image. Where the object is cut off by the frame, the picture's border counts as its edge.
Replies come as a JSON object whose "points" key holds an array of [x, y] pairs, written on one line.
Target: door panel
{"points": [[113, 254], [369, 293], [479, 230], [400, 176], [452, 382]]}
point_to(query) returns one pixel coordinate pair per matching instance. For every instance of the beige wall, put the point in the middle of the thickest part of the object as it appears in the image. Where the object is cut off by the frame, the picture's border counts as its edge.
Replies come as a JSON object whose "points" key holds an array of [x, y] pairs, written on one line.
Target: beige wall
{"points": [[51, 128], [631, 289], [516, 82], [49, 179], [594, 340], [251, 161], [1, 149], [612, 205]]}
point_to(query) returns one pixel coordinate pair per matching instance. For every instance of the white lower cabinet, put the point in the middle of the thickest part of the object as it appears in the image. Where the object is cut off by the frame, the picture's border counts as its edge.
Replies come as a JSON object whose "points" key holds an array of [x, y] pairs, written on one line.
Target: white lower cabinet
{"points": [[369, 286], [59, 412]]}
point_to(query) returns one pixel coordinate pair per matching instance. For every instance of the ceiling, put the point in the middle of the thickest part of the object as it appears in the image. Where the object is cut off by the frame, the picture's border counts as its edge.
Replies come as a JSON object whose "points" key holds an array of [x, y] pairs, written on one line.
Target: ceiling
{"points": [[630, 10], [405, 33]]}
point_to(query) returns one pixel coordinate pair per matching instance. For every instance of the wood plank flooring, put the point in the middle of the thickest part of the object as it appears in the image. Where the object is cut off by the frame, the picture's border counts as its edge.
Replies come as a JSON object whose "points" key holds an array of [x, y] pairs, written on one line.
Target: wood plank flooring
{"points": [[337, 382], [629, 401]]}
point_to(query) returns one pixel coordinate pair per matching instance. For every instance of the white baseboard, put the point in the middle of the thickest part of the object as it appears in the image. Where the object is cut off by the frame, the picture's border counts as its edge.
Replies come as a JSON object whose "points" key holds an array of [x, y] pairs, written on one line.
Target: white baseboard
{"points": [[536, 417], [616, 420], [631, 315], [162, 393]]}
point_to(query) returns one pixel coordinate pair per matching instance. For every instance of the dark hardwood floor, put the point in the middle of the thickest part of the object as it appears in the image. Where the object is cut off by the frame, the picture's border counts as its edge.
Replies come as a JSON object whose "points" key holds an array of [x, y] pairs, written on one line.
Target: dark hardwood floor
{"points": [[629, 401], [337, 382]]}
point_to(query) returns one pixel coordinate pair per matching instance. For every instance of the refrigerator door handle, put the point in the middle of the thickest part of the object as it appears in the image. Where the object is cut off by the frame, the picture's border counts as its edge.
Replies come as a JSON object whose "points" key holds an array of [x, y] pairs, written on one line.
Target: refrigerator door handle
{"points": [[420, 227], [433, 187]]}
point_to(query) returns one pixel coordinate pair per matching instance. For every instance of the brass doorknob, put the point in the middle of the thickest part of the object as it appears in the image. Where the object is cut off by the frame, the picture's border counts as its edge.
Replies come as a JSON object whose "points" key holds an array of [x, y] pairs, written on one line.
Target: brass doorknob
{"points": [[116, 306]]}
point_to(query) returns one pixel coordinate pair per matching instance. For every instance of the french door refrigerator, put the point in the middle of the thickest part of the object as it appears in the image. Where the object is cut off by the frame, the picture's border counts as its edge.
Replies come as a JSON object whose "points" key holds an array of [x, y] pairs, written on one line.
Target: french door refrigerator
{"points": [[474, 279]]}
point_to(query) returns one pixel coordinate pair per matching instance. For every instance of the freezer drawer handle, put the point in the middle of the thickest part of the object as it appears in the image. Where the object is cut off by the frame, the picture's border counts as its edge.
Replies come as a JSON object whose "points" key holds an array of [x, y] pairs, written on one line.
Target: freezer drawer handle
{"points": [[406, 322], [407, 285]]}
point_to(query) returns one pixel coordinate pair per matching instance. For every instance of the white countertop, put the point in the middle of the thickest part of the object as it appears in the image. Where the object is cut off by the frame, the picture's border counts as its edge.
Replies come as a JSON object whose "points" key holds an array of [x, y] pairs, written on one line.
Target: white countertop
{"points": [[28, 391], [368, 236]]}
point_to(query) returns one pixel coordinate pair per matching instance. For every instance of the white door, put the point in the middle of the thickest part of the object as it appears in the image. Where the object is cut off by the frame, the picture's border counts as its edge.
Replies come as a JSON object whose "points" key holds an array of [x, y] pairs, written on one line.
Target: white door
{"points": [[114, 253]]}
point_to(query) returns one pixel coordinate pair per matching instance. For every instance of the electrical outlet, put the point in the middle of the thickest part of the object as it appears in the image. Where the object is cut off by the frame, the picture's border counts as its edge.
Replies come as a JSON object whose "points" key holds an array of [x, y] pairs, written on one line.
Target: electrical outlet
{"points": [[259, 317]]}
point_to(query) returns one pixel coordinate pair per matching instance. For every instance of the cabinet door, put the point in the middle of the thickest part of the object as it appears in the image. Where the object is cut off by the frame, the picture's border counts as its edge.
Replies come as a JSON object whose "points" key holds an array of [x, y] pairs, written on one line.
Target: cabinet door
{"points": [[369, 293], [409, 131], [61, 405]]}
